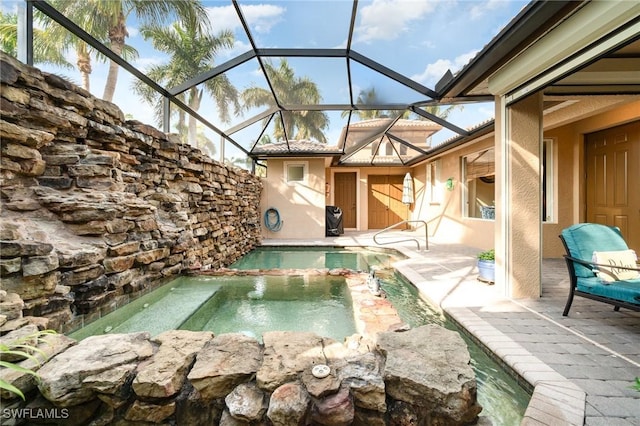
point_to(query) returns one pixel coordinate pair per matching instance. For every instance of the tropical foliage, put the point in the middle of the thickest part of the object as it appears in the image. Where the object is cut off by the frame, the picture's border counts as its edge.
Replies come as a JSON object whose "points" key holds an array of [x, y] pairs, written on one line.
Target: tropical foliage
{"points": [[366, 97], [290, 90], [193, 50], [23, 348], [106, 20], [45, 48]]}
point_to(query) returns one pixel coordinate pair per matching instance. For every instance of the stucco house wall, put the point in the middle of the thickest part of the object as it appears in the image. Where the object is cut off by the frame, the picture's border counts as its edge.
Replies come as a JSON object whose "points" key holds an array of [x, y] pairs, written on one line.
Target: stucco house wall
{"points": [[301, 205], [569, 139], [443, 211], [445, 217]]}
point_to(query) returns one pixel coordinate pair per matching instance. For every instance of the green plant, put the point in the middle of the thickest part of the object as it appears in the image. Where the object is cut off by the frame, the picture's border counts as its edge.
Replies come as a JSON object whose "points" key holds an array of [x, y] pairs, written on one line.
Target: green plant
{"points": [[487, 255], [21, 348], [636, 385]]}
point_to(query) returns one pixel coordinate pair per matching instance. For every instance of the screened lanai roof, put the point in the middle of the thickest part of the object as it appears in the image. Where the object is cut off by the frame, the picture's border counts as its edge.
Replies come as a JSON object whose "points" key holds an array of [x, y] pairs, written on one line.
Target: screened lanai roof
{"points": [[379, 82]]}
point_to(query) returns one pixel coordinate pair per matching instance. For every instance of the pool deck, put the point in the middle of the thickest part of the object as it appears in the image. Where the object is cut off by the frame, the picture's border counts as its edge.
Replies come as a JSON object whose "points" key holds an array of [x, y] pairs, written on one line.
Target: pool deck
{"points": [[581, 367]]}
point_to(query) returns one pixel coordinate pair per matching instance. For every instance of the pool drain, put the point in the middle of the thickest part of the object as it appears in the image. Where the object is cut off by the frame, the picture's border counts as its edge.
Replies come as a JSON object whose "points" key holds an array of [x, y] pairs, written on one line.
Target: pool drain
{"points": [[320, 371]]}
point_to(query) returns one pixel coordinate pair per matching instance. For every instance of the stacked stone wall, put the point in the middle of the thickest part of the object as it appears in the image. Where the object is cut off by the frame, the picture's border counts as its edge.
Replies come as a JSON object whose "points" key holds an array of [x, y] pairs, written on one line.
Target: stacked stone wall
{"points": [[96, 208]]}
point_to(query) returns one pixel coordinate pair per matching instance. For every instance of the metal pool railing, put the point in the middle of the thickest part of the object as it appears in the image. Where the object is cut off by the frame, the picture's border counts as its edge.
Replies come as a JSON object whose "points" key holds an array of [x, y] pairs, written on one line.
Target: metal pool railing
{"points": [[388, 228]]}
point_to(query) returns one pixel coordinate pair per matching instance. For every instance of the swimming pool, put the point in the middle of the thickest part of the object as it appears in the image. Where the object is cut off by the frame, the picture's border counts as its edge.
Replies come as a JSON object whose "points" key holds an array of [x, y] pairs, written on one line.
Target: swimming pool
{"points": [[247, 304], [355, 258], [254, 303]]}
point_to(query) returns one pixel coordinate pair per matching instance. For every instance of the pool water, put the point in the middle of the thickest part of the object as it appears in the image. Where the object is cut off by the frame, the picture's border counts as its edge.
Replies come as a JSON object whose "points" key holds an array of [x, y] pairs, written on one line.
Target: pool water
{"points": [[502, 398], [322, 304], [247, 304], [254, 305], [357, 259]]}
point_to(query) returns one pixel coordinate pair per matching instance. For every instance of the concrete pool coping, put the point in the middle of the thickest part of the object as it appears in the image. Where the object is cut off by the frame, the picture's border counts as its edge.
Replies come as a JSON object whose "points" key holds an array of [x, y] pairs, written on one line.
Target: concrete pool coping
{"points": [[518, 333]]}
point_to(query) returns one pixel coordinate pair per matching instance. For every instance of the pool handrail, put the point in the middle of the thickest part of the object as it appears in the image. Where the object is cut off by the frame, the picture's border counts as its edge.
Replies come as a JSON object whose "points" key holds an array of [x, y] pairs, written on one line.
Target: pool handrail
{"points": [[426, 234]]}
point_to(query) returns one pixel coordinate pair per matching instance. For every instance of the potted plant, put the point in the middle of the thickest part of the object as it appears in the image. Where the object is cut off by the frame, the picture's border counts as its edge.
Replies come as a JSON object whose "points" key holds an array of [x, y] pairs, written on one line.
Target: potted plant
{"points": [[486, 266]]}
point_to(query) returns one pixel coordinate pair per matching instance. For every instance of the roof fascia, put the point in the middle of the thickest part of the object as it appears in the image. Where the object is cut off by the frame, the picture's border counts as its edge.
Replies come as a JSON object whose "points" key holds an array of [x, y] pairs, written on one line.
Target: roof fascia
{"points": [[294, 154], [535, 19], [366, 141], [615, 31]]}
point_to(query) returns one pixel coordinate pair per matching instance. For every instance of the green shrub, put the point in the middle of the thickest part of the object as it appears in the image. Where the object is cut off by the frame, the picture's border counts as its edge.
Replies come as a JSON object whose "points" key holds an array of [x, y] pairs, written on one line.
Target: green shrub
{"points": [[22, 349], [489, 255]]}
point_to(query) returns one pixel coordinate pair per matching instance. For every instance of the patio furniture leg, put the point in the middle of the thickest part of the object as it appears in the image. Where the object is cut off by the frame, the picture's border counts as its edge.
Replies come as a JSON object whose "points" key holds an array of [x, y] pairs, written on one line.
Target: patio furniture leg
{"points": [[568, 305]]}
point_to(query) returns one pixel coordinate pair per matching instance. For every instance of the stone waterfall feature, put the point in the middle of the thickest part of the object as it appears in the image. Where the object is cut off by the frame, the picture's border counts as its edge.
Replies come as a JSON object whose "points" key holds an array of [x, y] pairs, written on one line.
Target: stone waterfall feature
{"points": [[96, 208]]}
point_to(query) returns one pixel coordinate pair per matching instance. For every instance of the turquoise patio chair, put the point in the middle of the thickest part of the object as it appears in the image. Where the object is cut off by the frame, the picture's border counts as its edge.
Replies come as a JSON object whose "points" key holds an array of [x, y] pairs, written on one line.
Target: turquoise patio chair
{"points": [[581, 241]]}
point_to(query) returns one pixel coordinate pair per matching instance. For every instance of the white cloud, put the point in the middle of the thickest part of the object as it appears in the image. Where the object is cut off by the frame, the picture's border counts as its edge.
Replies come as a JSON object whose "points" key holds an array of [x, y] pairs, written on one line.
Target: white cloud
{"points": [[260, 17], [484, 7], [133, 31], [386, 19], [434, 71], [143, 63], [238, 48]]}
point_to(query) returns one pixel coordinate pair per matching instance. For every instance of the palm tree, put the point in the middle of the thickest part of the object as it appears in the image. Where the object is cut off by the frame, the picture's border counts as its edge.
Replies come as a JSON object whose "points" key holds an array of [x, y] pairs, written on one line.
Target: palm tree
{"points": [[148, 12], [369, 97], [366, 97], [106, 21], [440, 111], [46, 49], [192, 52], [291, 90], [241, 162], [93, 22]]}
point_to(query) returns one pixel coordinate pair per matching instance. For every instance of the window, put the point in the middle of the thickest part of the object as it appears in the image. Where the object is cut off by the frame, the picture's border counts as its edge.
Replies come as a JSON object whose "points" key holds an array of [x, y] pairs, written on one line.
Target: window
{"points": [[433, 182], [296, 172], [479, 170], [479, 175]]}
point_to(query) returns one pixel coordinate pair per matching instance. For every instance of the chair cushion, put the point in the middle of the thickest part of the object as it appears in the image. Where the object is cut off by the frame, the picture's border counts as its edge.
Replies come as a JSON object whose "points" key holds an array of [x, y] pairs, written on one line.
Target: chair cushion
{"points": [[626, 258], [626, 291], [583, 239]]}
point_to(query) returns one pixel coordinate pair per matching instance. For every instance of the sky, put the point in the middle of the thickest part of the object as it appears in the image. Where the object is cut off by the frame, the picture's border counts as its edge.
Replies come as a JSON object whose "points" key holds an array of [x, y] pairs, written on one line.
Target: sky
{"points": [[418, 39]]}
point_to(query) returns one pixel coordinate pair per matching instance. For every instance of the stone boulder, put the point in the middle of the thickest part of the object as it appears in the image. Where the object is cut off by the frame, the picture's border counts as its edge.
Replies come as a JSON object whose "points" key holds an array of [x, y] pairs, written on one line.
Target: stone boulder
{"points": [[164, 375], [48, 346], [225, 362], [363, 375], [288, 405], [429, 367], [246, 402], [62, 378], [286, 355], [334, 410]]}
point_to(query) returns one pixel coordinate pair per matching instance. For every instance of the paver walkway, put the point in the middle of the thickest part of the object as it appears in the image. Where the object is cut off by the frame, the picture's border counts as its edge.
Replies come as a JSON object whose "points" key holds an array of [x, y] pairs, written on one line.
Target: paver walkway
{"points": [[581, 366]]}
